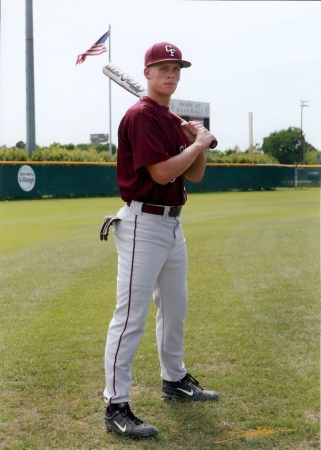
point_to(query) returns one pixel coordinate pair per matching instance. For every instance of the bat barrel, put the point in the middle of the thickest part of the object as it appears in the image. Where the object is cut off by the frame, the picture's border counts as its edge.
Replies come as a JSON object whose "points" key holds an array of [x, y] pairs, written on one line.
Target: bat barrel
{"points": [[124, 80]]}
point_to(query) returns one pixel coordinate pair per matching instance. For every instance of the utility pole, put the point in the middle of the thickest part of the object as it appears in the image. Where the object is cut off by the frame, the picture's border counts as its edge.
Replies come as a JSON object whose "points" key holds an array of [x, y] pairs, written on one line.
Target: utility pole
{"points": [[30, 83], [302, 153]]}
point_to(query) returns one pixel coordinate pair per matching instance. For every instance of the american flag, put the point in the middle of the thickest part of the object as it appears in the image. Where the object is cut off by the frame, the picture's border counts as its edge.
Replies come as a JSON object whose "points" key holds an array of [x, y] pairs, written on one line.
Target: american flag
{"points": [[97, 49]]}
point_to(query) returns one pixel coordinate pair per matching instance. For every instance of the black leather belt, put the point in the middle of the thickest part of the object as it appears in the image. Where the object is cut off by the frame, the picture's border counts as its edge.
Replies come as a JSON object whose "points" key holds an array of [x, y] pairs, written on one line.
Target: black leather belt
{"points": [[174, 211]]}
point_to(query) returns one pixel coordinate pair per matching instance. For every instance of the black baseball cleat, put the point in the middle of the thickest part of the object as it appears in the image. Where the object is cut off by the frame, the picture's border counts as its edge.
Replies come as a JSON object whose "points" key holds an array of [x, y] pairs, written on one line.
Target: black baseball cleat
{"points": [[123, 421], [187, 389]]}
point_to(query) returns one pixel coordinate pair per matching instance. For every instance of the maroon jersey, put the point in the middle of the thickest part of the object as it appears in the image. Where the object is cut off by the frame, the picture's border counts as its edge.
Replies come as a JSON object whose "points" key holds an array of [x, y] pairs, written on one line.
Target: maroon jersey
{"points": [[148, 134]]}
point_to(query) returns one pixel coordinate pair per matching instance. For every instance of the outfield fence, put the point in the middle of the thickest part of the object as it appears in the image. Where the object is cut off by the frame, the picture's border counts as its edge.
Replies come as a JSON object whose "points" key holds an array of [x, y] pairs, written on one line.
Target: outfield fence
{"points": [[19, 180]]}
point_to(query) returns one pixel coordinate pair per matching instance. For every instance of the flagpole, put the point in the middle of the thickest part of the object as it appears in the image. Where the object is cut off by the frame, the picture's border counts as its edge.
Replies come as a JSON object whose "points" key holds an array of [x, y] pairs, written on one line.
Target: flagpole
{"points": [[110, 140]]}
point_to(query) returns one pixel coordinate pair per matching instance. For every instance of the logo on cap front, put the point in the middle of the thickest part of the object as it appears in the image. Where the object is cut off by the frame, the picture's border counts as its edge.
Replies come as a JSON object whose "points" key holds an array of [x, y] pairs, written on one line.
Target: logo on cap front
{"points": [[170, 50]]}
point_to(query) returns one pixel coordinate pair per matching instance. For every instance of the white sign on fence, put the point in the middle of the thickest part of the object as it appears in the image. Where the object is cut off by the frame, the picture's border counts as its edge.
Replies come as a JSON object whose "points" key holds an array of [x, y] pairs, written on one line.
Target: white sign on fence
{"points": [[26, 178]]}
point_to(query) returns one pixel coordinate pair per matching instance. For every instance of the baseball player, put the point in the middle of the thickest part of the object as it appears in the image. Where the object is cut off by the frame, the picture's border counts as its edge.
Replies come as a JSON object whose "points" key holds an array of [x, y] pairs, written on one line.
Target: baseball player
{"points": [[155, 154]]}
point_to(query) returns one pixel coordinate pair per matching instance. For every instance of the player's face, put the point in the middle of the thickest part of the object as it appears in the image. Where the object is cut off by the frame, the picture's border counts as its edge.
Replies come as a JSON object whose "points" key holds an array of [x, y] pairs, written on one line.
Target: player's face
{"points": [[163, 78]]}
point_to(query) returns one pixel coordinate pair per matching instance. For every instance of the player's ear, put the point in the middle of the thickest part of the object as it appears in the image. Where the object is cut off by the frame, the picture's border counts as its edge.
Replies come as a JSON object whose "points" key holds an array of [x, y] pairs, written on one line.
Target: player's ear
{"points": [[147, 73]]}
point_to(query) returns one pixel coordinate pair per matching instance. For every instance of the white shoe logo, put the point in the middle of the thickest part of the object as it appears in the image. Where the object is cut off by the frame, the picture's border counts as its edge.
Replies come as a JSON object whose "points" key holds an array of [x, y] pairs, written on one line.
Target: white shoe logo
{"points": [[190, 393], [122, 429]]}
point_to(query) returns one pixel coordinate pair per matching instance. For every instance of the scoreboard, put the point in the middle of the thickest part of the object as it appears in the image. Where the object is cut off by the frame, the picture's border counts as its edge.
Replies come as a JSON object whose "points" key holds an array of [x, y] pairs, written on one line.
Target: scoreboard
{"points": [[191, 110]]}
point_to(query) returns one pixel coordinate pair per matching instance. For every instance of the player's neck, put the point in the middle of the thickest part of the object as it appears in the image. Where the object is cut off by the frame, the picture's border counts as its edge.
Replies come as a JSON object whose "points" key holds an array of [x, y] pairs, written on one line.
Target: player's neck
{"points": [[162, 100]]}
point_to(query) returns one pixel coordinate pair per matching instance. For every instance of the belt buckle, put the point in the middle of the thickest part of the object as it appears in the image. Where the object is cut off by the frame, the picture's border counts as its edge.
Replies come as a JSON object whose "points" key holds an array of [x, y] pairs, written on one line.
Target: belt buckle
{"points": [[175, 211]]}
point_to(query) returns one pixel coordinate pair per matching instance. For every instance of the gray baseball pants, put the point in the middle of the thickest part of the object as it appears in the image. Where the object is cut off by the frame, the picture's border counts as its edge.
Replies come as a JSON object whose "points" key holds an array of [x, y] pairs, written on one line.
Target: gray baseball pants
{"points": [[152, 263]]}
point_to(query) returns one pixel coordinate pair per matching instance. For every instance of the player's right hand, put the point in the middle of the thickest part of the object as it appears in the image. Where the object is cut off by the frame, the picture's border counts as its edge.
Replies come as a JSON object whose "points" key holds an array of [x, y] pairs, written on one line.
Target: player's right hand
{"points": [[202, 135]]}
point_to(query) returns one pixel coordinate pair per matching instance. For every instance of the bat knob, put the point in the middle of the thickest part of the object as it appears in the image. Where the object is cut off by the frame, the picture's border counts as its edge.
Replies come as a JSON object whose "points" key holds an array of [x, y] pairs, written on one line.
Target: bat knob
{"points": [[213, 144]]}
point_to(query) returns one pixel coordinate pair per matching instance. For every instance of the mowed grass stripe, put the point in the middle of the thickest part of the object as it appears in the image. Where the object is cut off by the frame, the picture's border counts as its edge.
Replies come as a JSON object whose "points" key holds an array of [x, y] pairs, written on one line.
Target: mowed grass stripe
{"points": [[252, 329]]}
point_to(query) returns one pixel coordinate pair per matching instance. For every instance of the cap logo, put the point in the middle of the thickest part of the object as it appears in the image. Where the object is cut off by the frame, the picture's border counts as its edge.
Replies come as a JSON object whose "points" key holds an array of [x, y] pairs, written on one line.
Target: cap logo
{"points": [[170, 50]]}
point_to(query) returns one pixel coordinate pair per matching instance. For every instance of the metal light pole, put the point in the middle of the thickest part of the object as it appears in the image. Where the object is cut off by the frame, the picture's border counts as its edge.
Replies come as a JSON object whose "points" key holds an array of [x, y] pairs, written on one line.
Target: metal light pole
{"points": [[302, 156], [30, 84]]}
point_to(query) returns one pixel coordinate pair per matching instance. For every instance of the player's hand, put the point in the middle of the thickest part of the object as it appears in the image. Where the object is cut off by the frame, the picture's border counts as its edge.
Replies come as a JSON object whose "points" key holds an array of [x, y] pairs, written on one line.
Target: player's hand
{"points": [[190, 130], [195, 131]]}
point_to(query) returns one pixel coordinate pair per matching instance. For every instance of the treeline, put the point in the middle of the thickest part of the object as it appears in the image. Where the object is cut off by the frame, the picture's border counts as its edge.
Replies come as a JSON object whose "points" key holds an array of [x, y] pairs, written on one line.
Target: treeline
{"points": [[56, 152], [234, 156], [281, 147], [100, 153], [78, 153]]}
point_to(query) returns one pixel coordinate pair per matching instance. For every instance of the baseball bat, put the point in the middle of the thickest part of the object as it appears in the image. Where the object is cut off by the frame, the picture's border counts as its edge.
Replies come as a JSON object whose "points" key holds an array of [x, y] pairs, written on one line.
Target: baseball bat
{"points": [[132, 86]]}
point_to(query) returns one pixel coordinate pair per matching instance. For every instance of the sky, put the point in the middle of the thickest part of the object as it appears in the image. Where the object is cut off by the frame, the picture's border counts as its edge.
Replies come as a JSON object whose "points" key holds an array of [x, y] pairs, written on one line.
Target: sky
{"points": [[247, 57]]}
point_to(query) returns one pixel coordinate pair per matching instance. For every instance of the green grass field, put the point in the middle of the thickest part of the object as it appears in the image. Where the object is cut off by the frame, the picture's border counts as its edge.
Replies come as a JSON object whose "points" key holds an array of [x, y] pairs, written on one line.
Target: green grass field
{"points": [[252, 329]]}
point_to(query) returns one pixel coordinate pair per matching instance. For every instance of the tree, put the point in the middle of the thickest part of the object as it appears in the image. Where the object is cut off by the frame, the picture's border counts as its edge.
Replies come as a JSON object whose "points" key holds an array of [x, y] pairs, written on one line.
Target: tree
{"points": [[284, 145], [313, 157], [20, 144]]}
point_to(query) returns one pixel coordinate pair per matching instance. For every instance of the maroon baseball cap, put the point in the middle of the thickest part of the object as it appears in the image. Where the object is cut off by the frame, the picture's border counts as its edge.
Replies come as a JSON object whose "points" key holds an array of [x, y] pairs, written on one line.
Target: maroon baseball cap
{"points": [[164, 51]]}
